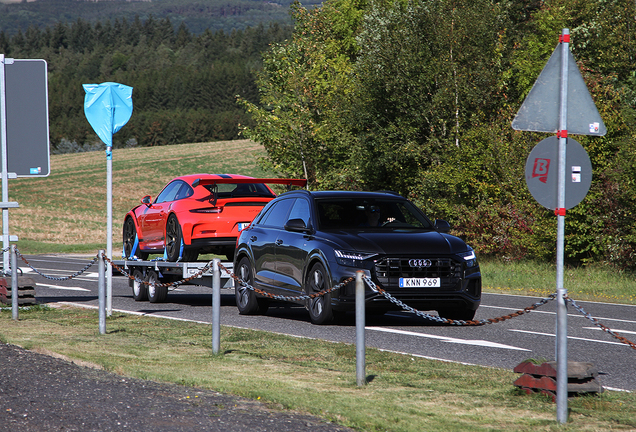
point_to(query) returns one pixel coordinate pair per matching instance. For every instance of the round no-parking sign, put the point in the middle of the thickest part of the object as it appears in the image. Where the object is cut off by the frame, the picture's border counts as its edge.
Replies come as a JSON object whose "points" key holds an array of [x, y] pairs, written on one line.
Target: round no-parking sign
{"points": [[542, 169]]}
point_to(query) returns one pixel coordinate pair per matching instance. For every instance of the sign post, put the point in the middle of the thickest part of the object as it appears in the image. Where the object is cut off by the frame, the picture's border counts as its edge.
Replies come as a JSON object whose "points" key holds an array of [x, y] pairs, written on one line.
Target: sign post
{"points": [[562, 311], [108, 107], [543, 112], [4, 168]]}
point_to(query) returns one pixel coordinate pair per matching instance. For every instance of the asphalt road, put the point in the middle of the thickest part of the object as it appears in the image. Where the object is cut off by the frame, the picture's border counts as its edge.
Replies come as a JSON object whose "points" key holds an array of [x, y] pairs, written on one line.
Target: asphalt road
{"points": [[502, 345]]}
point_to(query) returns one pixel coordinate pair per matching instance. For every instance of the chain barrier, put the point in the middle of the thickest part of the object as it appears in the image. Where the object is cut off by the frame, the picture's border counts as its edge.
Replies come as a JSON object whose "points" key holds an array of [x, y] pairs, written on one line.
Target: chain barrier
{"points": [[393, 300], [282, 297], [442, 320], [599, 324], [74, 275], [366, 279], [174, 284], [4, 271]]}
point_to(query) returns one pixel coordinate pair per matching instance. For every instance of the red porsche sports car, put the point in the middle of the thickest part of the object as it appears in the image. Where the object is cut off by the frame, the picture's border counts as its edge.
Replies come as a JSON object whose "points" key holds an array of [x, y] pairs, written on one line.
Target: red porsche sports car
{"points": [[198, 213]]}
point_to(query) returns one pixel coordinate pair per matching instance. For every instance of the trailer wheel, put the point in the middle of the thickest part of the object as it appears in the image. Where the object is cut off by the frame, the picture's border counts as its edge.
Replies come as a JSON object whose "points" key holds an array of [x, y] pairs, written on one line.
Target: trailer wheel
{"points": [[139, 289], [156, 293]]}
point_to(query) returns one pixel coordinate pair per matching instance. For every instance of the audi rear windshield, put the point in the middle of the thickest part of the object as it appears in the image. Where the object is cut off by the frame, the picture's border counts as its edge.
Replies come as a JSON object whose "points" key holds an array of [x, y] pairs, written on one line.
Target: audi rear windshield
{"points": [[358, 213], [233, 190]]}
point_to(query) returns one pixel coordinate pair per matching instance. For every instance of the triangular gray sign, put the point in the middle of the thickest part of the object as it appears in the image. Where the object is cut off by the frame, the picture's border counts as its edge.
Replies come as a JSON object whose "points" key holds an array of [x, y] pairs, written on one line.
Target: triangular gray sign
{"points": [[540, 111]]}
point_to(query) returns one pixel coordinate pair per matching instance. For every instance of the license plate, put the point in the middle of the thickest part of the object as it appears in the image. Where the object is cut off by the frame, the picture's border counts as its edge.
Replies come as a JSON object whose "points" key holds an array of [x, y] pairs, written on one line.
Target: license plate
{"points": [[420, 283], [243, 225]]}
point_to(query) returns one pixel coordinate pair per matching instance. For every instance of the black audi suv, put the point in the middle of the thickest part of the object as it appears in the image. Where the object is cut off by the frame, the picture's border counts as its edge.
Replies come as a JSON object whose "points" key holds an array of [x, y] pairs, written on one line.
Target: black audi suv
{"points": [[304, 242]]}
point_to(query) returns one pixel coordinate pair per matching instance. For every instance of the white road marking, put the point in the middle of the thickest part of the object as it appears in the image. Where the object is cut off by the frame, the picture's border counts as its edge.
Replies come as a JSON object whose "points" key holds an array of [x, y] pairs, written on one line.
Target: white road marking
{"points": [[573, 315], [569, 337], [614, 330], [48, 272], [483, 343], [63, 287]]}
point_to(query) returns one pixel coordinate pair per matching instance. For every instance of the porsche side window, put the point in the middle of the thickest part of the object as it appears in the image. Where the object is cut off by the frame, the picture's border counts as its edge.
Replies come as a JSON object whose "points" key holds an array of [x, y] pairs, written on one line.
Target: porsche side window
{"points": [[185, 191], [300, 210], [277, 214], [169, 192]]}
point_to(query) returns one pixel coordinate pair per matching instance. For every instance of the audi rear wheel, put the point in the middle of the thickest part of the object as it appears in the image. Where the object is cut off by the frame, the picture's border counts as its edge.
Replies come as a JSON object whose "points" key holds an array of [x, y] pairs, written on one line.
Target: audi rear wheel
{"points": [[246, 300]]}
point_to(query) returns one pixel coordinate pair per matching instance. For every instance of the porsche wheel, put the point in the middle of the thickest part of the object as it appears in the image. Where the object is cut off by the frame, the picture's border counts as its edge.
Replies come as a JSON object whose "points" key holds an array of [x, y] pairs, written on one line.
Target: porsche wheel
{"points": [[320, 311], [190, 255], [173, 238], [130, 237]]}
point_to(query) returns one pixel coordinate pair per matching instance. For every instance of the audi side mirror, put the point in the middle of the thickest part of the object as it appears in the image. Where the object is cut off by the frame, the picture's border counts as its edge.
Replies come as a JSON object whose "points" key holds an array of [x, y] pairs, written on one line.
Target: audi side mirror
{"points": [[442, 226], [147, 200], [296, 225]]}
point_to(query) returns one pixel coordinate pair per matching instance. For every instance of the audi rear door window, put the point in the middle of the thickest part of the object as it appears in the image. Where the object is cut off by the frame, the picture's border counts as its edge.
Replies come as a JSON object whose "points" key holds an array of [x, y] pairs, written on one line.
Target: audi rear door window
{"points": [[277, 214]]}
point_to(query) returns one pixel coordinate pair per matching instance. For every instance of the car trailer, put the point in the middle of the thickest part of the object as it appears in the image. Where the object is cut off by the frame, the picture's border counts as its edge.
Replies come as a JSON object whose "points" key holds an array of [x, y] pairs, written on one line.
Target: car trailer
{"points": [[151, 280]]}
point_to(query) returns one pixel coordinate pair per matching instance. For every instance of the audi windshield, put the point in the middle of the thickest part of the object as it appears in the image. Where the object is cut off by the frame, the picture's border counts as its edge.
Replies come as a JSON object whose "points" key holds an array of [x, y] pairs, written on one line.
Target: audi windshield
{"points": [[360, 213]]}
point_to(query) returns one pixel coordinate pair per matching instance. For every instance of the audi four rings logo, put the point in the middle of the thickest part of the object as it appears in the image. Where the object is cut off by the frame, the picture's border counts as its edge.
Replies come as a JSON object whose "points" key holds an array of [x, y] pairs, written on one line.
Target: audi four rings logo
{"points": [[420, 263]]}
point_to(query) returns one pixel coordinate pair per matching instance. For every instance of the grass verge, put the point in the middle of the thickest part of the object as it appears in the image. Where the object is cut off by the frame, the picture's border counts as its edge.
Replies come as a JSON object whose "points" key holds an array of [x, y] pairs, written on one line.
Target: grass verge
{"points": [[405, 393], [592, 283]]}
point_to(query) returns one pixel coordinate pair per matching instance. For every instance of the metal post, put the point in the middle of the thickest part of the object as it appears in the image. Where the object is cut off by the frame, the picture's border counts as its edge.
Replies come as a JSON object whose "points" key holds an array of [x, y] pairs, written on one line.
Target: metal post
{"points": [[216, 306], [5, 169], [562, 317], [360, 339], [101, 292], [14, 283], [109, 230]]}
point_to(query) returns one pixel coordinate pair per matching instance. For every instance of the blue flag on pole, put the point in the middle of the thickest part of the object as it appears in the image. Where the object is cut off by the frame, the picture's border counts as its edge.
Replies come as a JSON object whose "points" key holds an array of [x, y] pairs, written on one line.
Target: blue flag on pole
{"points": [[108, 107]]}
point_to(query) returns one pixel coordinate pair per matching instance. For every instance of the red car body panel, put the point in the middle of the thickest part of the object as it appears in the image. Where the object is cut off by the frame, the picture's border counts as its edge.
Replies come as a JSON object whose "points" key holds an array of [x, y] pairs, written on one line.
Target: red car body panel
{"points": [[209, 207]]}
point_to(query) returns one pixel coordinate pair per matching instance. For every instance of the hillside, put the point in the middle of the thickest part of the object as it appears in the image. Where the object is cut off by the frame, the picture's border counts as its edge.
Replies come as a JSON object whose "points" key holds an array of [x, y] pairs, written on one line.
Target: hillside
{"points": [[72, 218]]}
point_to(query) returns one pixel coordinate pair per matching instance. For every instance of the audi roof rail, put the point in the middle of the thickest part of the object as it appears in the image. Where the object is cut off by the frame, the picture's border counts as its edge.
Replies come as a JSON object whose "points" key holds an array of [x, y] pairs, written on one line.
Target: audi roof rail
{"points": [[389, 192]]}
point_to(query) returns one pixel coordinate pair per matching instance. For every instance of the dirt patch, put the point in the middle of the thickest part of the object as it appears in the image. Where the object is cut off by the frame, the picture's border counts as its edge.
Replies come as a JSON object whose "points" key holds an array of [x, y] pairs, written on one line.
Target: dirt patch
{"points": [[44, 393]]}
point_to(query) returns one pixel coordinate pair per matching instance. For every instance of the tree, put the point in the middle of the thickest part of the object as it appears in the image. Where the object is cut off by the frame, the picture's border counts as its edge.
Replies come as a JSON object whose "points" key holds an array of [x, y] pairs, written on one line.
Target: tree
{"points": [[305, 87]]}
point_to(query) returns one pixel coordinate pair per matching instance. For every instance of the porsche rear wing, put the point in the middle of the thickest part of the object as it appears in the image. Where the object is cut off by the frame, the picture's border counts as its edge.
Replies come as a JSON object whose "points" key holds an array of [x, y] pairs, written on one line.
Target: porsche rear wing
{"points": [[288, 182]]}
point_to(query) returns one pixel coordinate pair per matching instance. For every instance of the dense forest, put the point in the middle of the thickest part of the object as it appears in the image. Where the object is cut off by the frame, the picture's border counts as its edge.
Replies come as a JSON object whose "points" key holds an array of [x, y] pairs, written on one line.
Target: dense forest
{"points": [[197, 15], [418, 96], [184, 85]]}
